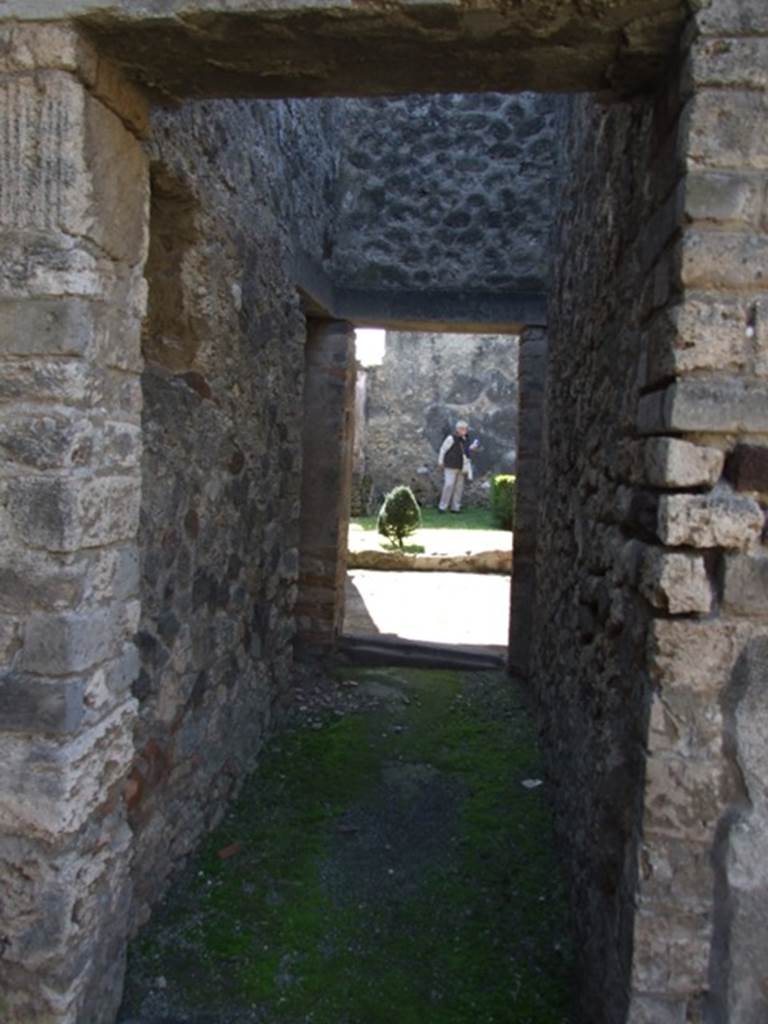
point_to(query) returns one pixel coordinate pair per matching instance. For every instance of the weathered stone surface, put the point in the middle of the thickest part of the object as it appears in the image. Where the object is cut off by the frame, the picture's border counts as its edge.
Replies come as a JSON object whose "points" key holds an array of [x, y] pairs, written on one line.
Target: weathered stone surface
{"points": [[720, 519], [747, 468], [53, 175], [672, 463], [715, 405], [51, 789], [723, 129], [745, 588], [67, 513], [45, 326], [706, 332], [477, 218], [432, 47], [33, 706], [675, 582], [60, 645]]}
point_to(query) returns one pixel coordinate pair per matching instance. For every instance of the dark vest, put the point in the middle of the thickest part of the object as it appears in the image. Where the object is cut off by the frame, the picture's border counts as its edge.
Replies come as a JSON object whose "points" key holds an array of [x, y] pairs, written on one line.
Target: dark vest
{"points": [[454, 457]]}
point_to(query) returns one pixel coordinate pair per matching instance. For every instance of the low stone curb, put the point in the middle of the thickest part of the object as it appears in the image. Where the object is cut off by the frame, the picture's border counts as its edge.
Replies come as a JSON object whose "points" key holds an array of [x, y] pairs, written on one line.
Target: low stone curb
{"points": [[478, 561]]}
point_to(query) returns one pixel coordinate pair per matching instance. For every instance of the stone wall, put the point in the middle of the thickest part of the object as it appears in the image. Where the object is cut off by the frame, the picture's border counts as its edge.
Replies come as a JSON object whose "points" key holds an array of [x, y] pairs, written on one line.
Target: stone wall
{"points": [[223, 389], [648, 655], [73, 205], [413, 399], [447, 193]]}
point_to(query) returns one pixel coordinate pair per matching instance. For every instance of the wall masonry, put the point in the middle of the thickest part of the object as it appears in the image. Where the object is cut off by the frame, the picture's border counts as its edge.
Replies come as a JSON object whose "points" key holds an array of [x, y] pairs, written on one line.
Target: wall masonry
{"points": [[224, 344], [664, 534], [73, 200]]}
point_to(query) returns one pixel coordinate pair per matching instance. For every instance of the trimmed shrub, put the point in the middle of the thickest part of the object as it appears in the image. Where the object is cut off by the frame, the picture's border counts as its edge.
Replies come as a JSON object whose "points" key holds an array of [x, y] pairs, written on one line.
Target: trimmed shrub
{"points": [[399, 515], [503, 488]]}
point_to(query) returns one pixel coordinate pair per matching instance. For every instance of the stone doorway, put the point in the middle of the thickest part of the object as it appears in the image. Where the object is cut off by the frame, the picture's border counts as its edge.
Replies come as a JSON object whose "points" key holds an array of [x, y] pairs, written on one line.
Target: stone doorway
{"points": [[645, 591]]}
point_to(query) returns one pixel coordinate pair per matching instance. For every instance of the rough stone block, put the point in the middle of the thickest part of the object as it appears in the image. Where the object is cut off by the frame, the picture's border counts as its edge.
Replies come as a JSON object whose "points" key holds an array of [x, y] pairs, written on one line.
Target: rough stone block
{"points": [[45, 326], [736, 62], [747, 468], [685, 724], [650, 1009], [671, 950], [745, 585], [732, 17], [70, 165], [60, 645], [723, 259], [719, 519], [40, 706], [724, 196], [684, 800], [706, 404], [51, 264], [724, 129], [46, 442], [697, 656], [708, 331], [676, 871], [670, 462], [64, 514], [49, 789], [675, 582]]}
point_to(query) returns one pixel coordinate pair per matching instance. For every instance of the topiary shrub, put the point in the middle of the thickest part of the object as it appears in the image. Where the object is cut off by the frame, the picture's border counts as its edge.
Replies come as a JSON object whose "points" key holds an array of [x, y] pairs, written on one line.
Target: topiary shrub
{"points": [[399, 515], [503, 489]]}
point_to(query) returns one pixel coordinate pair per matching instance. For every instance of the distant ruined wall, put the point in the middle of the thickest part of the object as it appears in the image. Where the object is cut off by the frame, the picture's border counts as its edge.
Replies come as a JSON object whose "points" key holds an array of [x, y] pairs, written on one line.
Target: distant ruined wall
{"points": [[648, 663], [224, 349], [447, 193], [413, 399]]}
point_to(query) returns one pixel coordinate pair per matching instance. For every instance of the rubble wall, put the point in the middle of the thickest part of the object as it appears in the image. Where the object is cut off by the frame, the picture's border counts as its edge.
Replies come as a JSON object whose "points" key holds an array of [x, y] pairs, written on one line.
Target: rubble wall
{"points": [[447, 193], [224, 349], [648, 657]]}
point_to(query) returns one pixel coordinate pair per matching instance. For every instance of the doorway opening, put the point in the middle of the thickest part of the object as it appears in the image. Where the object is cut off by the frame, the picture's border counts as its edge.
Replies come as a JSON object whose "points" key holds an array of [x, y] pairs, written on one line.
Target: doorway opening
{"points": [[445, 586]]}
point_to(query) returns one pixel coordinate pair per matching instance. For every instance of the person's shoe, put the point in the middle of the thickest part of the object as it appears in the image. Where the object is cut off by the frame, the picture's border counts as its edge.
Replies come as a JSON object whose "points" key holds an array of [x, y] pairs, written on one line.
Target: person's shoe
{"points": [[456, 511], [442, 510]]}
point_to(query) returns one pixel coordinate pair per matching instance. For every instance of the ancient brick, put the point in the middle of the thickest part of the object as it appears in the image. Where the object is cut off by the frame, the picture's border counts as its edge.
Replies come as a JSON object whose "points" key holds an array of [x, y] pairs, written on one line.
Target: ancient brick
{"points": [[675, 582], [64, 514], [670, 462], [684, 799], [50, 789], [747, 468], [723, 259], [59, 128], [59, 645], [717, 405], [732, 17], [697, 656], [718, 519], [45, 326], [735, 62], [34, 706], [724, 129], [726, 197], [745, 585], [46, 442], [671, 950]]}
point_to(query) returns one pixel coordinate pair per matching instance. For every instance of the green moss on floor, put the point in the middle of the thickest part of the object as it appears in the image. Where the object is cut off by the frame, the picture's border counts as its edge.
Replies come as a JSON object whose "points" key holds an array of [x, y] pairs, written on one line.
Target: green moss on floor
{"points": [[392, 868]]}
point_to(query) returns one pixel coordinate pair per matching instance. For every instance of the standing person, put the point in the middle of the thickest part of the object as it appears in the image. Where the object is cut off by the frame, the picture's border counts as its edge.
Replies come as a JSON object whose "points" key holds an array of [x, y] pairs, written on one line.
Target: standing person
{"points": [[453, 459]]}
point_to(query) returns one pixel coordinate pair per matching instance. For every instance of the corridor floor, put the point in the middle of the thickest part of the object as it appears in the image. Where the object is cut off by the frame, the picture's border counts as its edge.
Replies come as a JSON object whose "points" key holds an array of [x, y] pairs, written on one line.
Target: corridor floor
{"points": [[390, 862]]}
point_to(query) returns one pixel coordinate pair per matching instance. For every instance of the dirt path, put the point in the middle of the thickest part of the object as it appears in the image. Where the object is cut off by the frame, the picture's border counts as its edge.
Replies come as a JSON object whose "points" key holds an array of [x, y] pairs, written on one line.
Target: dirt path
{"points": [[390, 863]]}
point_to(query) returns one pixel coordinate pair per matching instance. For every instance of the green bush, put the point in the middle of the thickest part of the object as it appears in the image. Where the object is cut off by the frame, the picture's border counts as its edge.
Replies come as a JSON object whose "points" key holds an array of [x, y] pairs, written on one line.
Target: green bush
{"points": [[503, 500], [399, 515]]}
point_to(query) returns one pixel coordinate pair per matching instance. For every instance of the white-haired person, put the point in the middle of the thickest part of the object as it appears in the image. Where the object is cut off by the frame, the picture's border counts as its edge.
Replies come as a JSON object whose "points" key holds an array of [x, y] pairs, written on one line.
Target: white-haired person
{"points": [[454, 460]]}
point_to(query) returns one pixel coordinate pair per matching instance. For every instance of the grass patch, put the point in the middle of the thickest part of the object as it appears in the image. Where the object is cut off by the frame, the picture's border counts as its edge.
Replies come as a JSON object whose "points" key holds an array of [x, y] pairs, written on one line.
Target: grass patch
{"points": [[393, 870], [431, 519]]}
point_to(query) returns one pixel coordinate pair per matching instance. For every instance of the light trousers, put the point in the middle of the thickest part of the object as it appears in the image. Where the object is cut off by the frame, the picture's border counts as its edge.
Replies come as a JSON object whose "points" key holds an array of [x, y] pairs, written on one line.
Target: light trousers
{"points": [[453, 488]]}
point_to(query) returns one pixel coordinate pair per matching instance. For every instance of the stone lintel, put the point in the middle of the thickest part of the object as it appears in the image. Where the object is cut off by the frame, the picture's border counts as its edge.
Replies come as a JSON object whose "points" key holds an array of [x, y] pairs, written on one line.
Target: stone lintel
{"points": [[313, 48]]}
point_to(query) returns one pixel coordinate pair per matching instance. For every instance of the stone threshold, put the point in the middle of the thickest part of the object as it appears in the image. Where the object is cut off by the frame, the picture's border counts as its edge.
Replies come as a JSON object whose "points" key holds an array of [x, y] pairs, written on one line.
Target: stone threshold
{"points": [[499, 562], [392, 650]]}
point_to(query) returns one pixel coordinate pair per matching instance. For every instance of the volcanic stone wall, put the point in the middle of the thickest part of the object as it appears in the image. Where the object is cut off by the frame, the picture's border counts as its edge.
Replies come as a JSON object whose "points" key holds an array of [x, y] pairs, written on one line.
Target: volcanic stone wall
{"points": [[447, 193], [224, 349], [650, 635], [413, 399]]}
